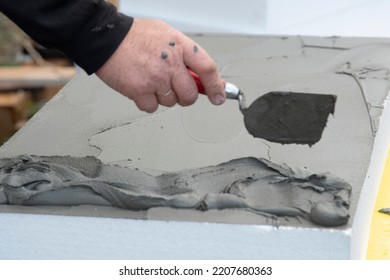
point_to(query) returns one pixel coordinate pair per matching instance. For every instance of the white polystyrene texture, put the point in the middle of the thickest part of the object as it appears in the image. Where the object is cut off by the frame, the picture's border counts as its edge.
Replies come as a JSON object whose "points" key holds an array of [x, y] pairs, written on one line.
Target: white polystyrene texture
{"points": [[26, 236]]}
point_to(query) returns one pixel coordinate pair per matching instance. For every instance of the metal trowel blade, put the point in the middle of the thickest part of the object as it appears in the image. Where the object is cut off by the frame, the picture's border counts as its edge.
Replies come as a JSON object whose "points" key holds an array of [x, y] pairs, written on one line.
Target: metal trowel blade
{"points": [[289, 117]]}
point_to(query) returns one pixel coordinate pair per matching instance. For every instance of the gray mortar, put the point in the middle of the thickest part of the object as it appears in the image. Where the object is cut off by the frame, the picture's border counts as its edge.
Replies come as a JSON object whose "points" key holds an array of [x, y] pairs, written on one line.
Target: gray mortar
{"points": [[255, 185], [88, 119]]}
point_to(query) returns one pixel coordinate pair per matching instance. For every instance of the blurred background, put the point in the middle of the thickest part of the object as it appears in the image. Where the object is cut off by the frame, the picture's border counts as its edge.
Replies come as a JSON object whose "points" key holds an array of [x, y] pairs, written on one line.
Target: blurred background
{"points": [[364, 18], [30, 74]]}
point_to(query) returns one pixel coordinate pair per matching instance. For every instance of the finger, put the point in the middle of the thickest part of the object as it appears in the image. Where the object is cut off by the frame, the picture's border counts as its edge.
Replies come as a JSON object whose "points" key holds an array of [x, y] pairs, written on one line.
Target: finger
{"points": [[196, 58], [184, 86], [148, 103], [167, 99]]}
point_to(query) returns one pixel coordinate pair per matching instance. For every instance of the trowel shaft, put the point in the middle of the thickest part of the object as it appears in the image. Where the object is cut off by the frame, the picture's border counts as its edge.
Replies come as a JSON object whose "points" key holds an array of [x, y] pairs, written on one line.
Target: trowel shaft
{"points": [[231, 90]]}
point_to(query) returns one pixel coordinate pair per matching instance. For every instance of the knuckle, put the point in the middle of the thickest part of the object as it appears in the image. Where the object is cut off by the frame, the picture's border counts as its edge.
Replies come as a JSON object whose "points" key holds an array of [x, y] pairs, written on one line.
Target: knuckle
{"points": [[140, 87], [210, 67], [169, 103], [188, 99], [146, 103], [149, 108], [155, 74]]}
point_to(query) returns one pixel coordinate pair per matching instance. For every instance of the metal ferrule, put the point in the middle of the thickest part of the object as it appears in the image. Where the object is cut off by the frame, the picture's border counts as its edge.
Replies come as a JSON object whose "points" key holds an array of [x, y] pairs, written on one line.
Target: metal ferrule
{"points": [[232, 91]]}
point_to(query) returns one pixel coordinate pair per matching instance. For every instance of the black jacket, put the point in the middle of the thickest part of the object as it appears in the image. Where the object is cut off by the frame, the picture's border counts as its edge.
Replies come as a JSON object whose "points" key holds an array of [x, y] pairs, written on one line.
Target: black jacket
{"points": [[87, 31]]}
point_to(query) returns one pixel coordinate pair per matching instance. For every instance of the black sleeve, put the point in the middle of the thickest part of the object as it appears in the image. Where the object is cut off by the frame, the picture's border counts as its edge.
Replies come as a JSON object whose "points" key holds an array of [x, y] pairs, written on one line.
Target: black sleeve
{"points": [[87, 31]]}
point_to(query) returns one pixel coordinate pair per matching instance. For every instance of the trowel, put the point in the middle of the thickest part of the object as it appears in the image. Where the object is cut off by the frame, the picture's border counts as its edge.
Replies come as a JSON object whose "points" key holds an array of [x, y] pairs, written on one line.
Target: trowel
{"points": [[282, 116]]}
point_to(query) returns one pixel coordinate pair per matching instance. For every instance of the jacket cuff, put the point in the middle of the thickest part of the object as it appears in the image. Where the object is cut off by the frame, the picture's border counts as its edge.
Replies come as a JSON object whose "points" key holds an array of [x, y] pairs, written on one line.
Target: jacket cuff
{"points": [[98, 38]]}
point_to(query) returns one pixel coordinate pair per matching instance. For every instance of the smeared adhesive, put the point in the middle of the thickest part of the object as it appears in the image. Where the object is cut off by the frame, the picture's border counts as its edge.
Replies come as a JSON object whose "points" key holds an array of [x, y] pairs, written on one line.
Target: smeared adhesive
{"points": [[384, 211], [164, 55], [251, 184], [97, 29], [289, 117]]}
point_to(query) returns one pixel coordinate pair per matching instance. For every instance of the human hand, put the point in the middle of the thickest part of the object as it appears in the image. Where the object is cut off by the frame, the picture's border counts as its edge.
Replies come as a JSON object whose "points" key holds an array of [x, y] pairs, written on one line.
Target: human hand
{"points": [[150, 67]]}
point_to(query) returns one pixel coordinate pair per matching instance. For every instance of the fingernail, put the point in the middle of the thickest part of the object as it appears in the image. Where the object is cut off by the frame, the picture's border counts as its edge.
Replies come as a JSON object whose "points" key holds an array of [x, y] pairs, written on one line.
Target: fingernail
{"points": [[219, 99]]}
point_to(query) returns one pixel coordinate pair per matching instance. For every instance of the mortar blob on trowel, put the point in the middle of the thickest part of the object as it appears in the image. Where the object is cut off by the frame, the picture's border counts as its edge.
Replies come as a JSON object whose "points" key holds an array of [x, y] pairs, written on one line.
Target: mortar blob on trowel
{"points": [[282, 117]]}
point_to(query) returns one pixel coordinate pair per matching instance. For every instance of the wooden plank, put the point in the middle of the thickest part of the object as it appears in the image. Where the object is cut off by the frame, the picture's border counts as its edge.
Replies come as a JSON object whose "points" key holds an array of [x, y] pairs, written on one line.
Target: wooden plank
{"points": [[11, 99], [7, 125], [34, 76]]}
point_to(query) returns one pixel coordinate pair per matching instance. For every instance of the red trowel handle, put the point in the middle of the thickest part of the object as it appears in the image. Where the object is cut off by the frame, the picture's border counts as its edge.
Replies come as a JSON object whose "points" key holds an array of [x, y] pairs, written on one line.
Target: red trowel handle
{"points": [[199, 84], [231, 91]]}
